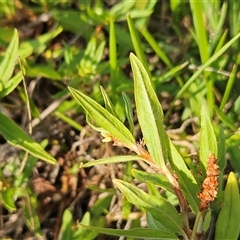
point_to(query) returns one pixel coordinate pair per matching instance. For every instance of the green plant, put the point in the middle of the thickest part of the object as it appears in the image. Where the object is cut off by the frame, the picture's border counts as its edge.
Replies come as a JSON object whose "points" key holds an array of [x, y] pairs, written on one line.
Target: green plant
{"points": [[14, 187], [191, 56], [12, 133], [195, 193], [79, 64]]}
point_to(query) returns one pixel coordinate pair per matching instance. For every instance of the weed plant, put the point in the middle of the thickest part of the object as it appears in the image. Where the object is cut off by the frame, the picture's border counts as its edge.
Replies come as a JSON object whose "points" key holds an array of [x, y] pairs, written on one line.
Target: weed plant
{"points": [[180, 93]]}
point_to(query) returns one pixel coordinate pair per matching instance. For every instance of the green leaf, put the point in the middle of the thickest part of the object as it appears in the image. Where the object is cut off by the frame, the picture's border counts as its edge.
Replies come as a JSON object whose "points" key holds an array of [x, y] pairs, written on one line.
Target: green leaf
{"points": [[84, 233], [68, 120], [154, 44], [114, 69], [100, 205], [207, 220], [221, 150], [11, 85], [200, 29], [208, 142], [159, 51], [129, 112], [174, 71], [8, 63], [137, 44], [66, 228], [104, 119], [222, 39], [150, 114], [221, 156], [7, 199], [24, 177], [92, 57], [206, 64], [30, 214], [153, 178], [86, 218], [186, 179], [121, 8], [228, 225], [162, 210], [228, 89], [5, 35], [138, 233], [46, 71], [153, 223], [225, 119], [16, 136], [115, 159], [38, 45], [108, 103], [70, 20]]}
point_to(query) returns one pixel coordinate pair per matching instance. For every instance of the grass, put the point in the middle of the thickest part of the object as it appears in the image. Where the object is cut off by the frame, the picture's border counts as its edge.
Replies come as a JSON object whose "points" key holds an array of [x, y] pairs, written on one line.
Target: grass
{"points": [[190, 52]]}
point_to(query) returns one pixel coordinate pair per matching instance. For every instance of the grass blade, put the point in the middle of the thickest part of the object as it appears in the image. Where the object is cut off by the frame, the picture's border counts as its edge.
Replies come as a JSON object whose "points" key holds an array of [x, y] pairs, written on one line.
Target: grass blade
{"points": [[113, 56], [156, 47], [206, 64], [200, 29], [137, 44], [229, 86], [226, 119]]}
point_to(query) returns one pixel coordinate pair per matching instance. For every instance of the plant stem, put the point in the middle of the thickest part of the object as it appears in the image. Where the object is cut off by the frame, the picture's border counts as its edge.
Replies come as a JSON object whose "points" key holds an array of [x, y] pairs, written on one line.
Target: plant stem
{"points": [[197, 229]]}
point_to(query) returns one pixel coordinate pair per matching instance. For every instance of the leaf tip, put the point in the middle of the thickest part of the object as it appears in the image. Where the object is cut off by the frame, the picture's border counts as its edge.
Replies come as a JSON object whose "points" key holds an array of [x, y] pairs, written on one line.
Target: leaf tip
{"points": [[69, 88], [115, 181], [232, 178], [132, 56]]}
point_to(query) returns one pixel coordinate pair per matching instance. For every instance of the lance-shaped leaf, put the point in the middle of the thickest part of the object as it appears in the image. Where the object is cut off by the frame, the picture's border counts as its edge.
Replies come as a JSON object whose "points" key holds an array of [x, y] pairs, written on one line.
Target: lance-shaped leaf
{"points": [[136, 42], [153, 178], [83, 232], [115, 159], [149, 112], [16, 136], [228, 225], [162, 210], [186, 180], [136, 233], [108, 103], [11, 85], [66, 228], [208, 142], [7, 198], [8, 63], [105, 120], [128, 111], [30, 215], [7, 66]]}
